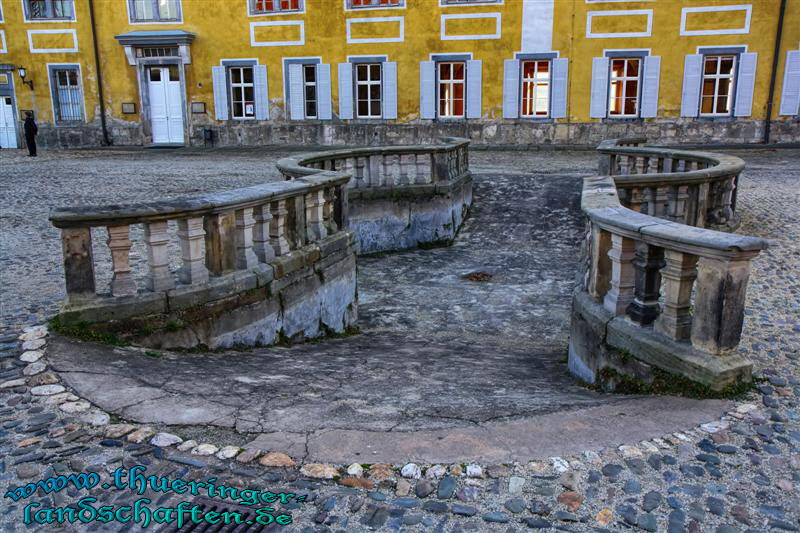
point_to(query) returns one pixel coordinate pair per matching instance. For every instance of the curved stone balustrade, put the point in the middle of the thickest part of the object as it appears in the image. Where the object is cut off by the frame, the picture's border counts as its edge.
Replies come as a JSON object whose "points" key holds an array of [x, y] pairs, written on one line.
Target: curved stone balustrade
{"points": [[400, 196], [661, 290]]}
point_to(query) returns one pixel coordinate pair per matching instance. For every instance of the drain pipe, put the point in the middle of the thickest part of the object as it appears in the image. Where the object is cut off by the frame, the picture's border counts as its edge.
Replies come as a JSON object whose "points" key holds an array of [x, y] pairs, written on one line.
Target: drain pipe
{"points": [[106, 140], [773, 75]]}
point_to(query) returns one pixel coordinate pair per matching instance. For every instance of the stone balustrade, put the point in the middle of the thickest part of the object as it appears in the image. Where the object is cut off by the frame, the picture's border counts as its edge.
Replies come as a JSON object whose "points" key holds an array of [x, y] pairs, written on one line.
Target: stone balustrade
{"points": [[400, 196], [660, 289]]}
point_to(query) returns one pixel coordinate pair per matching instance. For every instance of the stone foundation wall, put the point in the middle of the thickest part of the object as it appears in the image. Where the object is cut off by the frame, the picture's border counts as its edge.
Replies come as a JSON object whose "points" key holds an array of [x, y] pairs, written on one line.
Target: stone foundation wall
{"points": [[304, 294], [495, 133], [385, 219]]}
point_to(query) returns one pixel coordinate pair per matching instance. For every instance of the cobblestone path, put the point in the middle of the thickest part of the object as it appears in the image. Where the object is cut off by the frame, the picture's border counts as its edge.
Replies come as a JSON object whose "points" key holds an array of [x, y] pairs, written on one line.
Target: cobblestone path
{"points": [[740, 473]]}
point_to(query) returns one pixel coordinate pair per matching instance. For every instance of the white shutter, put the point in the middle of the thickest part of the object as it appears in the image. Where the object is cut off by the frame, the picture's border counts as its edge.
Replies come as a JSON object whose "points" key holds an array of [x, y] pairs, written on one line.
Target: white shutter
{"points": [[692, 79], [324, 111], [745, 83], [511, 84], [261, 92], [558, 99], [598, 108], [220, 82], [389, 78], [296, 92], [790, 94], [650, 80], [474, 85], [345, 90], [427, 89]]}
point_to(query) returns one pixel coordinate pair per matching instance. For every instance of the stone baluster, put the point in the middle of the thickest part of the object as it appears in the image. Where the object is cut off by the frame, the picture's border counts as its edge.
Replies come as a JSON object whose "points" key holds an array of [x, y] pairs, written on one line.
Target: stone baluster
{"points": [[375, 174], [328, 210], [315, 215], [650, 195], [359, 174], [76, 245], [192, 239], [425, 168], [261, 243], [645, 164], [405, 161], [156, 238], [341, 209], [702, 205], [719, 303], [277, 228], [677, 278], [119, 242], [220, 243], [245, 256], [635, 199], [600, 269], [648, 261], [620, 294], [672, 204]]}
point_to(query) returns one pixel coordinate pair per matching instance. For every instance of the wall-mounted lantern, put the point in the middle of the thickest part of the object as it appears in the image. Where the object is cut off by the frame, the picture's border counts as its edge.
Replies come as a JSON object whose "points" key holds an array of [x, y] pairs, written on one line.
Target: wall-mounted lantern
{"points": [[22, 74]]}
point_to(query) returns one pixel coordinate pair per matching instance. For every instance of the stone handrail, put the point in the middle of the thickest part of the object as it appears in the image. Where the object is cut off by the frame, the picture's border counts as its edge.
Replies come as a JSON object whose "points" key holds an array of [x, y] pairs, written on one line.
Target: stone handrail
{"points": [[387, 166], [678, 287], [219, 233], [704, 193]]}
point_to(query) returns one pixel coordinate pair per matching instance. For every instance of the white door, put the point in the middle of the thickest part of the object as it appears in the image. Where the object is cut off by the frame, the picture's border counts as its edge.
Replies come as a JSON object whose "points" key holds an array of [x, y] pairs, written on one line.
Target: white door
{"points": [[8, 131], [166, 108]]}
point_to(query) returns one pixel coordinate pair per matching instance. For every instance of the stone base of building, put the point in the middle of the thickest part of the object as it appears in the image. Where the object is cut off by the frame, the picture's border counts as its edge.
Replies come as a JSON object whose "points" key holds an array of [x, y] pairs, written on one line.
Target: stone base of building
{"points": [[480, 133], [304, 294], [601, 348], [388, 218]]}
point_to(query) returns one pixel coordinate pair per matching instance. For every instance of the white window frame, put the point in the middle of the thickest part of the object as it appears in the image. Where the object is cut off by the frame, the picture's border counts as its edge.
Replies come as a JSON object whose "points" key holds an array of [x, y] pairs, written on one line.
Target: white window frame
{"points": [[625, 79], [156, 17], [369, 83], [373, 4], [243, 85], [535, 83], [26, 10], [306, 85], [253, 12], [451, 83], [52, 74], [717, 77]]}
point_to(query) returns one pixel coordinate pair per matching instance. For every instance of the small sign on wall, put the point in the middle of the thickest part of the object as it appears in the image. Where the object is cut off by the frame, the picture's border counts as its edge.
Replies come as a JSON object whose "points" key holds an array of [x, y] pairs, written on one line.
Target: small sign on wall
{"points": [[198, 107], [128, 108]]}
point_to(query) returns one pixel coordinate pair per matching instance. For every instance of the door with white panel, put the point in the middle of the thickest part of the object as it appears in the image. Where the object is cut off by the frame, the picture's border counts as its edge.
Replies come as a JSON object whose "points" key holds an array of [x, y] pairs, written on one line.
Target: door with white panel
{"points": [[166, 104], [8, 131]]}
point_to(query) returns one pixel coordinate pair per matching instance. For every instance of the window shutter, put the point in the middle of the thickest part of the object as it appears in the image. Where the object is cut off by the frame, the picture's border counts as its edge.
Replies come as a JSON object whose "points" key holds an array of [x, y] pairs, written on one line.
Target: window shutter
{"points": [[598, 108], [261, 92], [511, 84], [474, 97], [220, 82], [745, 83], [297, 102], [692, 79], [558, 97], [345, 90], [790, 94], [650, 80], [427, 89], [324, 111], [389, 103]]}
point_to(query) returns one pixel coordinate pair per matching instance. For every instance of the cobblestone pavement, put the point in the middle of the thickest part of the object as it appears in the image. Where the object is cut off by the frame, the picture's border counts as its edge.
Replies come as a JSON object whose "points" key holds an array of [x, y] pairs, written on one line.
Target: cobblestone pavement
{"points": [[740, 473]]}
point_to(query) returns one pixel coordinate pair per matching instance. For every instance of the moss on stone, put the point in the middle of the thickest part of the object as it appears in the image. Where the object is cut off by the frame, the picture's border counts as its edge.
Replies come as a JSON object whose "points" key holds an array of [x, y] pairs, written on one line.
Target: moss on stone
{"points": [[665, 383], [85, 331]]}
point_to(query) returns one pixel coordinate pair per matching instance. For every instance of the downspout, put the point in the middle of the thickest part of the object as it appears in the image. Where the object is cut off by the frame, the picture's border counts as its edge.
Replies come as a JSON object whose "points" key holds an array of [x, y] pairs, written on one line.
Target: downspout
{"points": [[106, 140], [774, 73]]}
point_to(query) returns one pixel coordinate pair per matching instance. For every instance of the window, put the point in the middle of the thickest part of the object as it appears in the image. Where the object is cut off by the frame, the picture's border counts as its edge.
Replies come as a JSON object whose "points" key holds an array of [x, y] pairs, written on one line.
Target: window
{"points": [[368, 90], [243, 99], [259, 7], [49, 9], [67, 98], [535, 88], [158, 51], [310, 90], [451, 88], [470, 1], [374, 3], [623, 94], [717, 95], [155, 10]]}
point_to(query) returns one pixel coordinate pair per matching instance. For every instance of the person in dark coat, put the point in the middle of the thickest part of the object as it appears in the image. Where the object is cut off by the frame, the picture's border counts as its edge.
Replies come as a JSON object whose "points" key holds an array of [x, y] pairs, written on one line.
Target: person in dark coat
{"points": [[30, 134]]}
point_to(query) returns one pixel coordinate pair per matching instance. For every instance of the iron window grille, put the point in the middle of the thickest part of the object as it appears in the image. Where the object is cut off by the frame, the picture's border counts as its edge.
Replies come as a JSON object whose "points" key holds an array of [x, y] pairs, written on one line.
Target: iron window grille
{"points": [[260, 7], [68, 100], [49, 9], [356, 4], [155, 10]]}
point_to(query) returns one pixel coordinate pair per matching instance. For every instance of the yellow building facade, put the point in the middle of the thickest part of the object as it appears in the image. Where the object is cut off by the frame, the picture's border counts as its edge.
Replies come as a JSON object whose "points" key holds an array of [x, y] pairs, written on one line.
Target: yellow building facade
{"points": [[228, 72]]}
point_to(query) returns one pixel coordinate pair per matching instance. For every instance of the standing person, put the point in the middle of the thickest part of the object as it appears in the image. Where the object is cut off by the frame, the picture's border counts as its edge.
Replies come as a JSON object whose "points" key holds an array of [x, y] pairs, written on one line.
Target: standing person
{"points": [[30, 133]]}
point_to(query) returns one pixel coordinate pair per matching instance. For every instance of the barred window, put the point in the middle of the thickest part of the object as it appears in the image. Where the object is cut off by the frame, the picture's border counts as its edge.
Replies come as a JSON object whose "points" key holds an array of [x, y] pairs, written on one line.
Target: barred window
{"points": [[623, 99], [67, 97], [718, 75], [258, 7], [155, 10], [49, 9], [374, 3], [535, 88]]}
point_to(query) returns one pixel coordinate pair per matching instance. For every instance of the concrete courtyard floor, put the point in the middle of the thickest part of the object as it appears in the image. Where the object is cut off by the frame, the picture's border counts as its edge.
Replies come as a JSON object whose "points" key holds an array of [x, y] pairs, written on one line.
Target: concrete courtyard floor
{"points": [[444, 371]]}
